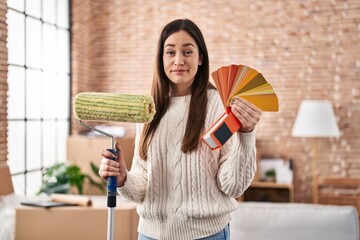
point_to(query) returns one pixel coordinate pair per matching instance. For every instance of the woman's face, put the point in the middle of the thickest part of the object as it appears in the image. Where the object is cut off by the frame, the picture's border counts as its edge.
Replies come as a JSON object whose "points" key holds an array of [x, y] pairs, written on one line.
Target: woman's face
{"points": [[181, 60]]}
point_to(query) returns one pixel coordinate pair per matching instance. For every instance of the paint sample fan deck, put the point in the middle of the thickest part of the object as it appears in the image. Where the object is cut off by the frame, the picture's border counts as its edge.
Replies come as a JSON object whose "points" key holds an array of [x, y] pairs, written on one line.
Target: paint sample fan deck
{"points": [[238, 81], [247, 83]]}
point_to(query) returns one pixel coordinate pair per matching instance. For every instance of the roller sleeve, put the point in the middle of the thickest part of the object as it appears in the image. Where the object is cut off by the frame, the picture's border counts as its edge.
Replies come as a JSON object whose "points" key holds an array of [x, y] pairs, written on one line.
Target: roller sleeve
{"points": [[97, 106]]}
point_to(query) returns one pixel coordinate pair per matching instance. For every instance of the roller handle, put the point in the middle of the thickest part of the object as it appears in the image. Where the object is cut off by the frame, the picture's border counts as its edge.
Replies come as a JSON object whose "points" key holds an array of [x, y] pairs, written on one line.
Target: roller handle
{"points": [[112, 184]]}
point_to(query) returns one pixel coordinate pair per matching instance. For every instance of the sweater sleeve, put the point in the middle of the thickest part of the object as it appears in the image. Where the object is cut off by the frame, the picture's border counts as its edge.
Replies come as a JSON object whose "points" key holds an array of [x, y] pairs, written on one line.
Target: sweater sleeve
{"points": [[137, 178], [237, 157], [237, 164]]}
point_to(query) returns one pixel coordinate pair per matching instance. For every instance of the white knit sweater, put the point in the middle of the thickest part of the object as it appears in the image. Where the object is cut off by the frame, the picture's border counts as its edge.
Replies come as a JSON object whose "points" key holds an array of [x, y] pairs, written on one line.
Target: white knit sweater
{"points": [[188, 196]]}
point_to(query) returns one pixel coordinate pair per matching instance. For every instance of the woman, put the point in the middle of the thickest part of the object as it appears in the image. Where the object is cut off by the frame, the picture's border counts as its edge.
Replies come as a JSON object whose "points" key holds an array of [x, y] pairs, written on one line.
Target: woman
{"points": [[185, 190]]}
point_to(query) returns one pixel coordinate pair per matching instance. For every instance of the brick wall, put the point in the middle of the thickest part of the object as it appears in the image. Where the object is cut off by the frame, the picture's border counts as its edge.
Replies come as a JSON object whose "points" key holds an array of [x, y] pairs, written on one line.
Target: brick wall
{"points": [[305, 49], [3, 82], [81, 49]]}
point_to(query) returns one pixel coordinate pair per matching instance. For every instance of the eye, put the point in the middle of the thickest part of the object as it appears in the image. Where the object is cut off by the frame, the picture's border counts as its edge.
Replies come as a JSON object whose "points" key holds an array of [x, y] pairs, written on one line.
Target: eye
{"points": [[170, 52], [188, 52]]}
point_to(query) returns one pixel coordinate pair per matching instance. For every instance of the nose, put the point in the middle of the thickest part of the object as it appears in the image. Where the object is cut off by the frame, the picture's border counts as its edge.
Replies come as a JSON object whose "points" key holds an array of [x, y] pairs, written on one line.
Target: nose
{"points": [[179, 60]]}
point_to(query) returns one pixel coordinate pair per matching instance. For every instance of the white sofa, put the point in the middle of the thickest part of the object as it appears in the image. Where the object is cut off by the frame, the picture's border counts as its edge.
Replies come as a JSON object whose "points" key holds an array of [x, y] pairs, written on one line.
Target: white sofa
{"points": [[293, 221]]}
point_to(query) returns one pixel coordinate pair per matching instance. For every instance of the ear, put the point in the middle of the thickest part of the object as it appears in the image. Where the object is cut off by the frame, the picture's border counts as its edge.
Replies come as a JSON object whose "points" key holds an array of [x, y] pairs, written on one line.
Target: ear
{"points": [[200, 60]]}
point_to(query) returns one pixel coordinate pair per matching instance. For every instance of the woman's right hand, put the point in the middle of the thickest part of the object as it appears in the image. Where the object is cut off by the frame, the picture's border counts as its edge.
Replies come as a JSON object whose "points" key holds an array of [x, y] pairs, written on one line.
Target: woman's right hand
{"points": [[109, 168]]}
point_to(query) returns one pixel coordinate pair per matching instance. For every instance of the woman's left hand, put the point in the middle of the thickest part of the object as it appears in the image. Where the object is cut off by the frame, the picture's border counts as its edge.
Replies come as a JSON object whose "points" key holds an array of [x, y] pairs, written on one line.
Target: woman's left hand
{"points": [[246, 112]]}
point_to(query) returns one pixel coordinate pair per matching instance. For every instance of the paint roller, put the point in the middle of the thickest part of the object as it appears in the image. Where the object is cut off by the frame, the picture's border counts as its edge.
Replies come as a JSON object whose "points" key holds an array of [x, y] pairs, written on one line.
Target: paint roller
{"points": [[97, 106]]}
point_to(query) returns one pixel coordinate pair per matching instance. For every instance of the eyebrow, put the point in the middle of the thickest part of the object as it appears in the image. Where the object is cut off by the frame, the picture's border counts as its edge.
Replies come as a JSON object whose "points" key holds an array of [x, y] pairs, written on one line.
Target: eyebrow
{"points": [[184, 45]]}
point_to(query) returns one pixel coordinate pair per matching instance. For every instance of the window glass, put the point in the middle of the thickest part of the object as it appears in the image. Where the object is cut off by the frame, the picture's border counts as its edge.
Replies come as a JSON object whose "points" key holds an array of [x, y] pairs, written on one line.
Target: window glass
{"points": [[62, 134], [63, 52], [33, 8], [38, 89], [63, 13], [49, 143], [16, 146], [33, 145], [50, 93], [63, 96], [49, 11], [16, 4], [16, 92], [33, 93], [49, 47], [16, 38], [33, 43], [33, 183]]}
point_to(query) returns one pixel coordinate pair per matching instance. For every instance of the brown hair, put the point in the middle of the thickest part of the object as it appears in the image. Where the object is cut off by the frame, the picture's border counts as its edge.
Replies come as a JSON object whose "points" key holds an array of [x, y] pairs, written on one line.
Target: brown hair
{"points": [[161, 89]]}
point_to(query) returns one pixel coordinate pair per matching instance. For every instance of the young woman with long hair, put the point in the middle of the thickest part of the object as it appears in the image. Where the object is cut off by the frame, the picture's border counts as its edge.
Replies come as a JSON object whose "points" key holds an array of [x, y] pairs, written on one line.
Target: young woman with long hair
{"points": [[185, 190]]}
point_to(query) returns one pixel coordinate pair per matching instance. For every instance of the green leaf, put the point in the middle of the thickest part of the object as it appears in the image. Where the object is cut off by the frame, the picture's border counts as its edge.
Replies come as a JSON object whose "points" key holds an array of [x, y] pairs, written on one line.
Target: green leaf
{"points": [[60, 177]]}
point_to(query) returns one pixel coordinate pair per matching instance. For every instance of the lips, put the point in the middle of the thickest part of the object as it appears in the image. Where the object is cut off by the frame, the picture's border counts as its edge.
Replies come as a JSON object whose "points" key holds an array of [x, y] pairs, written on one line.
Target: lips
{"points": [[178, 70]]}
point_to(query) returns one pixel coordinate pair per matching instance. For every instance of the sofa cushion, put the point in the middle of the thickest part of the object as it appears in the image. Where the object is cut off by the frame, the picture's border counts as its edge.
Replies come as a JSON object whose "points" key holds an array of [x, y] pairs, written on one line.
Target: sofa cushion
{"points": [[293, 221]]}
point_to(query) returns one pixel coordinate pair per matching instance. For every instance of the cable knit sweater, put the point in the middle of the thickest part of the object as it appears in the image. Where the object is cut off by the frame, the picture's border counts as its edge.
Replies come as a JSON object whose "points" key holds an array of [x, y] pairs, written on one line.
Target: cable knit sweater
{"points": [[185, 196]]}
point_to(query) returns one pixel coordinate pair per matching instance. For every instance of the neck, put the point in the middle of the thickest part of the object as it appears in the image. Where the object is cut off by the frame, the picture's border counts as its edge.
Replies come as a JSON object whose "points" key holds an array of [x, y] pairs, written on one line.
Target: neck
{"points": [[178, 92]]}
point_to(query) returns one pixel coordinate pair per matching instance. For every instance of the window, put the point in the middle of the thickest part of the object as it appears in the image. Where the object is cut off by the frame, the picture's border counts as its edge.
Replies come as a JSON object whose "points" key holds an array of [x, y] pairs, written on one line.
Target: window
{"points": [[39, 89]]}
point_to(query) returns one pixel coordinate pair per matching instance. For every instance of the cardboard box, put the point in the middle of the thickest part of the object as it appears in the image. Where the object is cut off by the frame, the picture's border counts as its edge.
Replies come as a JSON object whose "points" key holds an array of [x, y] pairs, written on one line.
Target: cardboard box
{"points": [[81, 150], [76, 223], [6, 186]]}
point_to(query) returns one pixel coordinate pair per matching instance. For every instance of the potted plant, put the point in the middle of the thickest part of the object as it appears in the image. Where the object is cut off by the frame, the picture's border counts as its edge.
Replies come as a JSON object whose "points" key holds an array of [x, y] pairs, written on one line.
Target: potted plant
{"points": [[270, 175], [62, 177]]}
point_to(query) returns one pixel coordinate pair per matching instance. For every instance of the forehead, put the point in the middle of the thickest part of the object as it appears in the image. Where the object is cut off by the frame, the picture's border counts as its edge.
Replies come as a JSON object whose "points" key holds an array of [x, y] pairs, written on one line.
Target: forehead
{"points": [[179, 38]]}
